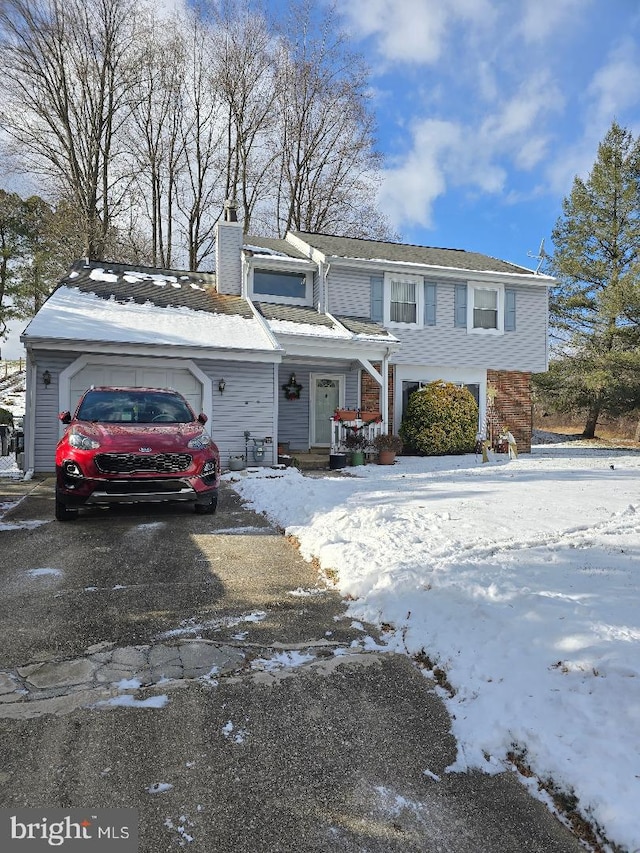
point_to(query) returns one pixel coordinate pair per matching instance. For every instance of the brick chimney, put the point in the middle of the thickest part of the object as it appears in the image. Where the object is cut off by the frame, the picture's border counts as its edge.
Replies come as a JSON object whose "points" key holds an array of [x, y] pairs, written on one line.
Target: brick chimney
{"points": [[229, 251]]}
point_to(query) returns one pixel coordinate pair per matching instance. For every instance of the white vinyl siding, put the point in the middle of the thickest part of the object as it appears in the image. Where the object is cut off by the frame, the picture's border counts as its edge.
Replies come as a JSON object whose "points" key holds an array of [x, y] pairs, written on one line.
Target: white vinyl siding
{"points": [[524, 349]]}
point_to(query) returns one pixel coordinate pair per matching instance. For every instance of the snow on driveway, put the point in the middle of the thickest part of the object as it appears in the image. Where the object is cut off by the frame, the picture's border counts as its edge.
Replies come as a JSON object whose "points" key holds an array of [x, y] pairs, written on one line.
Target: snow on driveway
{"points": [[520, 579]]}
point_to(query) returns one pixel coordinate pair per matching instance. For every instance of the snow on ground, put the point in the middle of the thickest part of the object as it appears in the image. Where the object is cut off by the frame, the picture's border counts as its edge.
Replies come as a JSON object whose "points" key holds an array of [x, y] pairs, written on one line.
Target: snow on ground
{"points": [[521, 579]]}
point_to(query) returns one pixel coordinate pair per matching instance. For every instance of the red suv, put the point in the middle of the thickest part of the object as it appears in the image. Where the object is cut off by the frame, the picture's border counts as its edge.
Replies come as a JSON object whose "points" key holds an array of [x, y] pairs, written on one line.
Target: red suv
{"points": [[130, 445]]}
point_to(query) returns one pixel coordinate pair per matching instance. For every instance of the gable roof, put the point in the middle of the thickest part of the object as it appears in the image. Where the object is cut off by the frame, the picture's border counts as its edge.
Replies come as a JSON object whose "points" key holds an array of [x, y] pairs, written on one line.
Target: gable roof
{"points": [[376, 250], [113, 303]]}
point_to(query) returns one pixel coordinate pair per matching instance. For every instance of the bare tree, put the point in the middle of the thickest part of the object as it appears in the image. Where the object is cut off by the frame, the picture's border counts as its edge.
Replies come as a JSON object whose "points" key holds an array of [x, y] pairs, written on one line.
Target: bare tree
{"points": [[201, 190], [328, 164], [155, 135], [245, 75], [68, 66]]}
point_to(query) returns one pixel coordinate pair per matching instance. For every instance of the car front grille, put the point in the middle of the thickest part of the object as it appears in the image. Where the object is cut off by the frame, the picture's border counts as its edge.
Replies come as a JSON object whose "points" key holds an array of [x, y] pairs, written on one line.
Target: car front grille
{"points": [[129, 463]]}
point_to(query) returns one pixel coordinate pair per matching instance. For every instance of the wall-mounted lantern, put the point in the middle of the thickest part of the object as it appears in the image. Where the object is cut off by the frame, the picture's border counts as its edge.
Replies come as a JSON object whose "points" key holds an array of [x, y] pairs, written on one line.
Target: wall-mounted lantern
{"points": [[221, 386], [46, 378]]}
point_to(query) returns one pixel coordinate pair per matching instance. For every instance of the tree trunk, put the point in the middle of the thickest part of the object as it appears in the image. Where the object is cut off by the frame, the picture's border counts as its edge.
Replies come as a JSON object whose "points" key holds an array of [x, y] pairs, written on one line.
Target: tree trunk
{"points": [[592, 420]]}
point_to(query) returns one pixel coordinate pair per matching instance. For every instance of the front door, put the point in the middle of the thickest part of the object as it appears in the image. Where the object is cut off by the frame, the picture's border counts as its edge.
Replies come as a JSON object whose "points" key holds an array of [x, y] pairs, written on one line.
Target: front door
{"points": [[327, 396]]}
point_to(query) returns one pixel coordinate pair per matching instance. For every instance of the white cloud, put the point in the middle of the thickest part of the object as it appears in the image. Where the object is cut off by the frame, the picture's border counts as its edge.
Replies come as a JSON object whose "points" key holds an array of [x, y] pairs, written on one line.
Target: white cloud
{"points": [[610, 95], [410, 189], [473, 155], [412, 31], [613, 88], [542, 19]]}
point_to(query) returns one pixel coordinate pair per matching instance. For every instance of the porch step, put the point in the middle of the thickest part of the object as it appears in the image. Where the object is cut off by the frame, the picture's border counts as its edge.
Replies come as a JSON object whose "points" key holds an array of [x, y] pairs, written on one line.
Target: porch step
{"points": [[315, 459]]}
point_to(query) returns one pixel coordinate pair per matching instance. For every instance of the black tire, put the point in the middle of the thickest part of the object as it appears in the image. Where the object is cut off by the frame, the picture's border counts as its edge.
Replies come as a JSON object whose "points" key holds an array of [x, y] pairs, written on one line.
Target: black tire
{"points": [[63, 513], [209, 507]]}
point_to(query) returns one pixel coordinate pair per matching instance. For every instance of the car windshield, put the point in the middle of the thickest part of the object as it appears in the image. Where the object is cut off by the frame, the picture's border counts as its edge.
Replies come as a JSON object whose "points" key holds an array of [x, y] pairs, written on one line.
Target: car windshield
{"points": [[138, 407]]}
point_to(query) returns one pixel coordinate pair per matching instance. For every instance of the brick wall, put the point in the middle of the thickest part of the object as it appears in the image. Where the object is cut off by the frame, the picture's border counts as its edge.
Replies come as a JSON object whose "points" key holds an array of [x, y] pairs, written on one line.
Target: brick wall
{"points": [[370, 393], [513, 404]]}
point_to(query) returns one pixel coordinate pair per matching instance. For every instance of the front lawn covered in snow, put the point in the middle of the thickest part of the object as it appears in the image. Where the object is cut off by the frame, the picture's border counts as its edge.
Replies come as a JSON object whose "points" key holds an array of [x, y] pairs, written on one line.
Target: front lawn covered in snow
{"points": [[520, 579]]}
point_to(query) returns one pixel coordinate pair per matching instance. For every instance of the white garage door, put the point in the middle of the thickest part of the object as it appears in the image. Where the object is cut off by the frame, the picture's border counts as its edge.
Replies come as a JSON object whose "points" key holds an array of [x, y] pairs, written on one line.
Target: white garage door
{"points": [[152, 377]]}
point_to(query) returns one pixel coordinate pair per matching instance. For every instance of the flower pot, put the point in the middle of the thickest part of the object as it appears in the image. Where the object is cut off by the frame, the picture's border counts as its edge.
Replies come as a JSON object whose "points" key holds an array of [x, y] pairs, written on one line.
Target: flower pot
{"points": [[337, 460], [386, 457], [357, 457]]}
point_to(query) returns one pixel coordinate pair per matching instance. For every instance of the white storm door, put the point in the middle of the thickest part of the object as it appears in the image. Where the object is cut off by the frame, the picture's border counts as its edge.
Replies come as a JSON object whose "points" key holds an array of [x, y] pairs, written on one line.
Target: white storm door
{"points": [[327, 395]]}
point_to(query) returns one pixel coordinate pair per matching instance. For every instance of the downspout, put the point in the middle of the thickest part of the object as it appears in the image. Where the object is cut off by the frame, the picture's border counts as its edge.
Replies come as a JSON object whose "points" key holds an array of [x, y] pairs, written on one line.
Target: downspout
{"points": [[30, 420], [276, 411], [323, 305], [244, 283], [385, 392]]}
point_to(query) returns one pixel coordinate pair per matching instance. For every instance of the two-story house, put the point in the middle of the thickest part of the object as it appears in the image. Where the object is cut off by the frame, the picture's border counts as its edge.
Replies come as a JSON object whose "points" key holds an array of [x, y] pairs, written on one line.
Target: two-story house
{"points": [[286, 331]]}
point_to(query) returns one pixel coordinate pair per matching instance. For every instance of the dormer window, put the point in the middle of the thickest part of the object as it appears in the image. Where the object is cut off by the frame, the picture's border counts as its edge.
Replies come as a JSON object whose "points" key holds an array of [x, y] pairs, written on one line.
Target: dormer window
{"points": [[289, 287]]}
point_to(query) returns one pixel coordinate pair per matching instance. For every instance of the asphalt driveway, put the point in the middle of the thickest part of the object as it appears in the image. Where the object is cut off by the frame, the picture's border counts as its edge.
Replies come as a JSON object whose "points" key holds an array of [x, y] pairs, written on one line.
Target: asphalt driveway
{"points": [[196, 669]]}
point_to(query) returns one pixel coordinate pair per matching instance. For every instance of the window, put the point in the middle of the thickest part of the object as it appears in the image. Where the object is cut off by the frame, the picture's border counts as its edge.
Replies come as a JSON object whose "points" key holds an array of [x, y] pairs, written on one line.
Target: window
{"points": [[480, 308], [485, 309], [403, 307], [404, 299], [291, 285]]}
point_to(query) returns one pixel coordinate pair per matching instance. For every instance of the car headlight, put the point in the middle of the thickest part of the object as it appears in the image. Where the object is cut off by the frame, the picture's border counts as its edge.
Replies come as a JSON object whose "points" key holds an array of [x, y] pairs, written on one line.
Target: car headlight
{"points": [[83, 442], [201, 442]]}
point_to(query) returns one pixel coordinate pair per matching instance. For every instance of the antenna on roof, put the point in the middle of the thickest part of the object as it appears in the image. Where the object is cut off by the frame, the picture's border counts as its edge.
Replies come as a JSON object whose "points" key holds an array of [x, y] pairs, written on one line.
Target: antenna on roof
{"points": [[540, 256]]}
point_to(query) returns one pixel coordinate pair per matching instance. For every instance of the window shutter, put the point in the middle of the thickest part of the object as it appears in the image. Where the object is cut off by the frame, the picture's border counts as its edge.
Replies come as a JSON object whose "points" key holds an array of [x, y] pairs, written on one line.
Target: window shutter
{"points": [[460, 306], [429, 304], [509, 309], [377, 298]]}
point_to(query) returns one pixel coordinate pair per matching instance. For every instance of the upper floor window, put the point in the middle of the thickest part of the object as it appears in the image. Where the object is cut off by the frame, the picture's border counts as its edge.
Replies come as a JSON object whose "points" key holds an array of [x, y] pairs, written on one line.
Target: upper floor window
{"points": [[282, 286], [403, 299], [485, 308], [407, 300], [403, 303]]}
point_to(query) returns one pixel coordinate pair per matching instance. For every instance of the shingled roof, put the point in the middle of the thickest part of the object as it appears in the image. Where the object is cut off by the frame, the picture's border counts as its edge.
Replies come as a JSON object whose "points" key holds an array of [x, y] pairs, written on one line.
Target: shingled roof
{"points": [[356, 248], [164, 288]]}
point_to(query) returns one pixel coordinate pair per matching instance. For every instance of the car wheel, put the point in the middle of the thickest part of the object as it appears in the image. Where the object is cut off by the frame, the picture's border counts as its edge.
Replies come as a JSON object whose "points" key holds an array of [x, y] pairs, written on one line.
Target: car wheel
{"points": [[209, 507], [63, 513]]}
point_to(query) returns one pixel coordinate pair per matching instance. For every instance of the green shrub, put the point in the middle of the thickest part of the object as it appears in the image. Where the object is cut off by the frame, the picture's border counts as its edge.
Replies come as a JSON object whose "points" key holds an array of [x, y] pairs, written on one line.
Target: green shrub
{"points": [[441, 419], [6, 418]]}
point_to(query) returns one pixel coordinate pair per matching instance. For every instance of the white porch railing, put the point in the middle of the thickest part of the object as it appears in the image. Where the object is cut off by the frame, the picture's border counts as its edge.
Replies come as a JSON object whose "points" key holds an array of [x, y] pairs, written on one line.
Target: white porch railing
{"points": [[348, 422]]}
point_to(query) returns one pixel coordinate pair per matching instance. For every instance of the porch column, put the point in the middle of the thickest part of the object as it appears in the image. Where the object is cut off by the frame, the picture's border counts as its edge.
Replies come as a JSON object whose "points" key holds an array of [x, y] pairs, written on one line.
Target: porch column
{"points": [[382, 378]]}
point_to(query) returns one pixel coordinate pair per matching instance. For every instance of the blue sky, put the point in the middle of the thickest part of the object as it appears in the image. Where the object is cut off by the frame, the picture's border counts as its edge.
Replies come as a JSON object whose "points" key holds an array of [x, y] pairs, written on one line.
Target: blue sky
{"points": [[487, 109]]}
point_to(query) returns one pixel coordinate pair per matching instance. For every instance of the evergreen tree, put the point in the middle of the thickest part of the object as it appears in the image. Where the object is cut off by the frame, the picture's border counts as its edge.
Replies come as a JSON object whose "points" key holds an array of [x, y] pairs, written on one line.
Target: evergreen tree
{"points": [[595, 309], [37, 244]]}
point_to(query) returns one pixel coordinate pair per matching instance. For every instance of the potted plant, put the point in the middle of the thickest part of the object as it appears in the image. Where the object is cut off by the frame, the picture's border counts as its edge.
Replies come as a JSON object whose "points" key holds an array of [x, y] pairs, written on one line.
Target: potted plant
{"points": [[355, 441], [387, 445]]}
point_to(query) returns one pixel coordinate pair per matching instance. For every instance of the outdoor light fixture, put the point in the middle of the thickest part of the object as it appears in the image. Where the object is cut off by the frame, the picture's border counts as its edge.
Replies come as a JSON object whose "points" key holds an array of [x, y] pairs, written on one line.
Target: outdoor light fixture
{"points": [[221, 386], [46, 378]]}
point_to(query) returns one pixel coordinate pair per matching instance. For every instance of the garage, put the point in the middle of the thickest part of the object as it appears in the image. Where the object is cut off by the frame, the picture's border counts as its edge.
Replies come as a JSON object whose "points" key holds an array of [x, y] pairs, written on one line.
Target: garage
{"points": [[139, 374]]}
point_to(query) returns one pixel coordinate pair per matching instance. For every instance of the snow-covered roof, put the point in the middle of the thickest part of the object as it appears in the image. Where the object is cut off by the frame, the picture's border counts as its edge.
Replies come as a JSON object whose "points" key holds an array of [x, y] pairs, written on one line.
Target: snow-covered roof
{"points": [[117, 303], [306, 321]]}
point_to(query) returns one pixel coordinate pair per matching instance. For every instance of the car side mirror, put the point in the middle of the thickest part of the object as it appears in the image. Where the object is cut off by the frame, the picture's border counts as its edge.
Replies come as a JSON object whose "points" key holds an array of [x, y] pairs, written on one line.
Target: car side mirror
{"points": [[65, 417], [202, 418]]}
